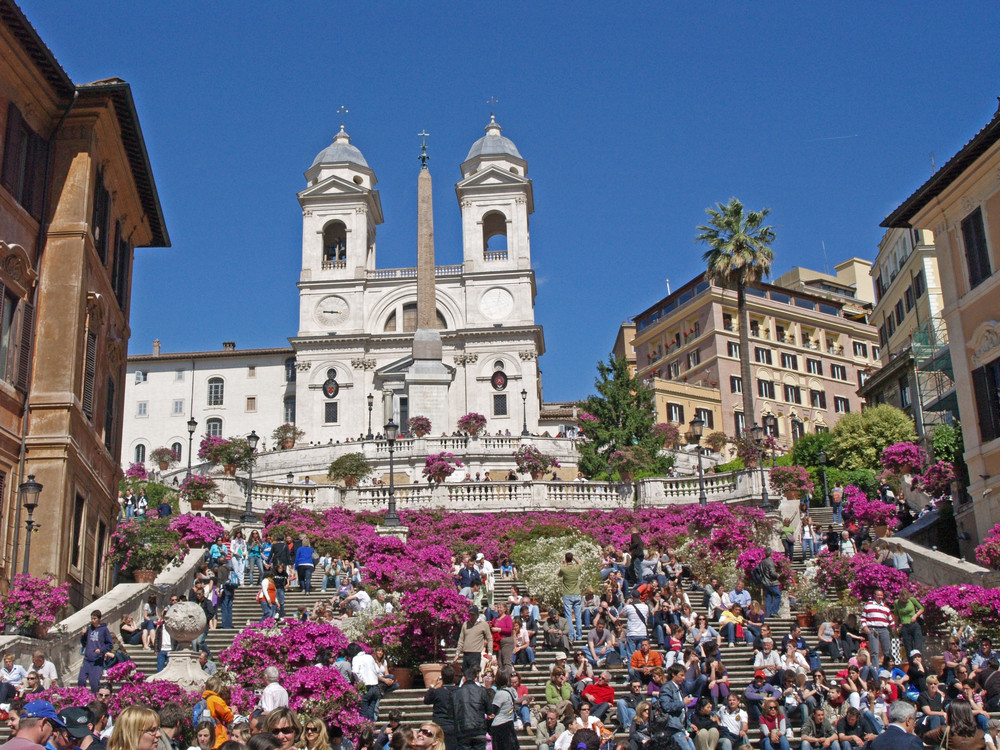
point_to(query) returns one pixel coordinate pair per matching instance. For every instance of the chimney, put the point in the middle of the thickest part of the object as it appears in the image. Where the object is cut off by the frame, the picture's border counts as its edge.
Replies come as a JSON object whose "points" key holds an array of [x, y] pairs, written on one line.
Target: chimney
{"points": [[156, 347], [229, 346]]}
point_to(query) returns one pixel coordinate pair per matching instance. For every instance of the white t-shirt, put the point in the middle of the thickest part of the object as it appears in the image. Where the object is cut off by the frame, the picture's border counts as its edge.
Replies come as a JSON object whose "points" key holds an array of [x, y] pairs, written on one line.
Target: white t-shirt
{"points": [[272, 697], [733, 722], [364, 666], [636, 627]]}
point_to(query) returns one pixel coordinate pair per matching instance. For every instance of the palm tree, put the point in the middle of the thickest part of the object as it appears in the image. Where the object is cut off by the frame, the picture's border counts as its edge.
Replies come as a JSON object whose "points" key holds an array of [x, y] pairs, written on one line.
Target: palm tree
{"points": [[739, 256]]}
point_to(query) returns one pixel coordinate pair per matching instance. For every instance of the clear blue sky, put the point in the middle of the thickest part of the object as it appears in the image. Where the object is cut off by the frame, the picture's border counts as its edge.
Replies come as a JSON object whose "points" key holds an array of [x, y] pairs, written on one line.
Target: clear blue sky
{"points": [[633, 118]]}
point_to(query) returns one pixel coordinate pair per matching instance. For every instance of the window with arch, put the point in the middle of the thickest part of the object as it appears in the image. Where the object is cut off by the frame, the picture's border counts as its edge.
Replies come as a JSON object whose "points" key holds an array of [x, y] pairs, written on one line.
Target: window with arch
{"points": [[213, 427], [410, 319], [334, 245], [290, 370], [140, 454], [177, 449], [498, 365], [289, 405], [216, 391], [495, 236]]}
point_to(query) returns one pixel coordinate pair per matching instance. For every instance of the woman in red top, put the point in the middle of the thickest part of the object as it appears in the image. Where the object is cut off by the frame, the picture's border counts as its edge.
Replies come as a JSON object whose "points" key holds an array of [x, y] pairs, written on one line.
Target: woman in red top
{"points": [[504, 626]]}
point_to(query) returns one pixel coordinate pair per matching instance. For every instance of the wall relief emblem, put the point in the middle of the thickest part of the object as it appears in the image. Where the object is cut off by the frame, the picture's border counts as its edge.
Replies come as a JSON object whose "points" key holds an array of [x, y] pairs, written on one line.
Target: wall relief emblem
{"points": [[985, 343]]}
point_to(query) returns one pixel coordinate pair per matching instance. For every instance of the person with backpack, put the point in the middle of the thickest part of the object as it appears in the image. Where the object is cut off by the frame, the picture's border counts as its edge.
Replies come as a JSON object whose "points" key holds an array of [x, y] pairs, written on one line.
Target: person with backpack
{"points": [[267, 597], [226, 597], [98, 648], [766, 575], [142, 505]]}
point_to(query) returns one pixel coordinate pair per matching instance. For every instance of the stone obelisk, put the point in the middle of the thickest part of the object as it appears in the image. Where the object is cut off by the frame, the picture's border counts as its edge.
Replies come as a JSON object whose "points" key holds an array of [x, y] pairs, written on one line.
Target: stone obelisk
{"points": [[427, 380]]}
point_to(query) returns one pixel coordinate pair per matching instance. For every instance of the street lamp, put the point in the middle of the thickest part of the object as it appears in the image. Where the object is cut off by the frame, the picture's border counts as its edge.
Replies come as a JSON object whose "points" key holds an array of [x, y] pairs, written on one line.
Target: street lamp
{"points": [[772, 428], [826, 492], [697, 428], [29, 491], [758, 437], [192, 426], [290, 477], [391, 433], [371, 400], [524, 411], [248, 516]]}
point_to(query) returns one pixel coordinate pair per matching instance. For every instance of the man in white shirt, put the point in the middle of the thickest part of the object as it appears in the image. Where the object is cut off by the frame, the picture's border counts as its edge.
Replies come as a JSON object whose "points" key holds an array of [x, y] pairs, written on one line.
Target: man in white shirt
{"points": [[733, 722], [274, 695], [485, 568], [637, 628], [46, 670], [366, 671]]}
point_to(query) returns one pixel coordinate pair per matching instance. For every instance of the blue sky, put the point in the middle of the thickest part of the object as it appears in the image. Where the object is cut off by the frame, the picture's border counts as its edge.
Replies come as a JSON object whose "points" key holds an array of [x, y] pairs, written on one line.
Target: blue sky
{"points": [[633, 118]]}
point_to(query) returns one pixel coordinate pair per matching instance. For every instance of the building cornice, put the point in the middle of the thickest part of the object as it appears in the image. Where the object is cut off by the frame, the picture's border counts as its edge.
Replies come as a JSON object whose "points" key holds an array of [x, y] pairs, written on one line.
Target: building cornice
{"points": [[217, 354]]}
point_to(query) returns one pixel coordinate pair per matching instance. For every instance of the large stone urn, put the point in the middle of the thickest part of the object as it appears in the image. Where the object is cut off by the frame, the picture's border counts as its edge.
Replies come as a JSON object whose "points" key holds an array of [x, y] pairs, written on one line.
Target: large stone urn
{"points": [[184, 621]]}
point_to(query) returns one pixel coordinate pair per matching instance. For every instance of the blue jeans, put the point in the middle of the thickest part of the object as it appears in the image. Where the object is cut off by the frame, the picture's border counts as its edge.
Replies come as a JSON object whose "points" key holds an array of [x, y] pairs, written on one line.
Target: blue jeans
{"points": [[807, 549], [281, 602], [573, 606], [772, 600], [268, 611], [256, 563], [765, 743], [838, 513], [524, 714], [601, 653], [226, 605], [625, 714], [729, 632], [838, 745], [683, 741], [874, 725], [162, 657], [631, 643]]}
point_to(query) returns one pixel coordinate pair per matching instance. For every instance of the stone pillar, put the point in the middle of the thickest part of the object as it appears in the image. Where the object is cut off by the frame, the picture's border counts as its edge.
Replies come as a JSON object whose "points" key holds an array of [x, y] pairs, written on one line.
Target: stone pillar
{"points": [[184, 622]]}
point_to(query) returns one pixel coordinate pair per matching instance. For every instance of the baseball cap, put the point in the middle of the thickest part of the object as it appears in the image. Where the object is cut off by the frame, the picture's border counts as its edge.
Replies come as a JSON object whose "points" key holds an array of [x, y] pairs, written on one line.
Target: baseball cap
{"points": [[915, 652], [884, 674], [760, 673], [76, 721], [480, 556], [41, 710]]}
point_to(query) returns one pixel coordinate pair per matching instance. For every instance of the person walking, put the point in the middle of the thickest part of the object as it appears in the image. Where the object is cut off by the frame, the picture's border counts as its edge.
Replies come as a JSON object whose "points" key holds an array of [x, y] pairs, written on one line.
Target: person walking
{"points": [[876, 619], [569, 577], [305, 561], [474, 639], [97, 649], [837, 501]]}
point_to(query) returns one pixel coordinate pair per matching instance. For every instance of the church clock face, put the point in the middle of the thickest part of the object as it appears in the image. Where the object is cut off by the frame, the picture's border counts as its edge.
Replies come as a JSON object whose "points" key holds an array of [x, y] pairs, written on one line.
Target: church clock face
{"points": [[496, 304], [332, 311]]}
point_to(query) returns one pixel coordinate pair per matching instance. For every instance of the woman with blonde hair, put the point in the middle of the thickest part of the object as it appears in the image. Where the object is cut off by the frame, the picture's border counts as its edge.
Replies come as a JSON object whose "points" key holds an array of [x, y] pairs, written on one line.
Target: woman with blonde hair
{"points": [[429, 737], [283, 724], [314, 736], [136, 728], [216, 697]]}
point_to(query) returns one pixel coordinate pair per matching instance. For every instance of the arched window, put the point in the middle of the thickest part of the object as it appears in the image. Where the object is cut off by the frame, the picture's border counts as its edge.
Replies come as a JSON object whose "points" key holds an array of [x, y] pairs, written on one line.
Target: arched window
{"points": [[410, 318], [334, 245], [290, 370], [290, 409], [495, 235], [178, 451], [140, 454], [213, 427], [216, 391]]}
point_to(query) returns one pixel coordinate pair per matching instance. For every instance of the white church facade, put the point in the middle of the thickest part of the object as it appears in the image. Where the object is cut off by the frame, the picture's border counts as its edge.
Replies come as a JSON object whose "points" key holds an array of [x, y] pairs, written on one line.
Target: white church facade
{"points": [[357, 322]]}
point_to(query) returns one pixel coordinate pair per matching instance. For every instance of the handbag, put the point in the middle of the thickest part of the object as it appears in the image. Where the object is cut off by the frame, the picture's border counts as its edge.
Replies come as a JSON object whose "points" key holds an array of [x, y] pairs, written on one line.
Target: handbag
{"points": [[943, 744]]}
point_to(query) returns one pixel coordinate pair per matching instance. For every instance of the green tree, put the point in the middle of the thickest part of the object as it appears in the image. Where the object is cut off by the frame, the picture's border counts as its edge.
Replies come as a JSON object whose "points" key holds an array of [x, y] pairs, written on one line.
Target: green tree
{"points": [[739, 256], [946, 442], [859, 439], [623, 412], [806, 449]]}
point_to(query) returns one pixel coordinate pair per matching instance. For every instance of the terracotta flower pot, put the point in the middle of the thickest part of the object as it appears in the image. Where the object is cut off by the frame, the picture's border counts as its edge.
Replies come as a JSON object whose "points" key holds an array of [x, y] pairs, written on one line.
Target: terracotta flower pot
{"points": [[431, 674], [881, 531], [230, 470], [404, 676], [805, 619], [144, 576], [350, 481], [197, 504], [536, 475]]}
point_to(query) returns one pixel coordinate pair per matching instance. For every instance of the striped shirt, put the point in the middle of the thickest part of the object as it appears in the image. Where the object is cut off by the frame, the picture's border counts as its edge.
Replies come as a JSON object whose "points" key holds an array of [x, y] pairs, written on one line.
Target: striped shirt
{"points": [[875, 615]]}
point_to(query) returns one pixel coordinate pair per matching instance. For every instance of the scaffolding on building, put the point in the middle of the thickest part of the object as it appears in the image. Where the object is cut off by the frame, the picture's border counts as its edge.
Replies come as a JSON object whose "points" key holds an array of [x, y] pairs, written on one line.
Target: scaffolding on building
{"points": [[933, 373]]}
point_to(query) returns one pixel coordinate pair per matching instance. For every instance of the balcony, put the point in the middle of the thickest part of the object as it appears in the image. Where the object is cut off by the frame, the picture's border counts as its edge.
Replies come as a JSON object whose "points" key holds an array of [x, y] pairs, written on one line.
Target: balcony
{"points": [[331, 265], [491, 255], [411, 273]]}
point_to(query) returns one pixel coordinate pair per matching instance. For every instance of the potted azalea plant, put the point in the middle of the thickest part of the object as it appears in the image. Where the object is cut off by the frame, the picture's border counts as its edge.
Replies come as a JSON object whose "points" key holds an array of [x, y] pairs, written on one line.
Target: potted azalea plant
{"points": [[791, 481], [532, 461], [198, 490], [287, 435], [440, 466], [472, 424], [418, 426], [164, 457], [626, 461], [350, 469], [667, 433], [903, 458], [870, 512], [31, 604], [716, 441], [143, 549]]}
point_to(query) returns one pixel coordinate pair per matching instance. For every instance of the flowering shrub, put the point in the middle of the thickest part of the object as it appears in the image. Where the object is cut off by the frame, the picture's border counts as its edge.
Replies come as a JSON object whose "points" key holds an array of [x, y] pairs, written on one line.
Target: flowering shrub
{"points": [[869, 512], [199, 488], [530, 460], [539, 561], [392, 565], [211, 447], [587, 422], [833, 572], [751, 557], [988, 552], [440, 465], [867, 574], [196, 531], [145, 545], [472, 423], [286, 432], [63, 697], [628, 460], [936, 481], [972, 606], [136, 471], [349, 468], [418, 425], [413, 633], [32, 603], [667, 433], [784, 479], [903, 457], [716, 441], [163, 455]]}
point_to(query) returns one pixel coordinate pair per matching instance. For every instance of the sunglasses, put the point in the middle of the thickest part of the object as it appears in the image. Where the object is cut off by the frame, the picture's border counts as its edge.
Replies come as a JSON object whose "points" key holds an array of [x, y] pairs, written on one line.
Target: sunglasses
{"points": [[311, 730], [283, 730], [424, 732]]}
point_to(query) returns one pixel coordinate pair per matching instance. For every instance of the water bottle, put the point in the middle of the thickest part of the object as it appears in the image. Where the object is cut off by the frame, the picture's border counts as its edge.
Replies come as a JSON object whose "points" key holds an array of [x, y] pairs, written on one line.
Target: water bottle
{"points": [[206, 715]]}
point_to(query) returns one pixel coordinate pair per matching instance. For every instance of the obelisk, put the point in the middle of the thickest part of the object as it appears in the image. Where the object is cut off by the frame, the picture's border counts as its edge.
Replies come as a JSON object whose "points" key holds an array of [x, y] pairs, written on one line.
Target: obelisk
{"points": [[427, 380]]}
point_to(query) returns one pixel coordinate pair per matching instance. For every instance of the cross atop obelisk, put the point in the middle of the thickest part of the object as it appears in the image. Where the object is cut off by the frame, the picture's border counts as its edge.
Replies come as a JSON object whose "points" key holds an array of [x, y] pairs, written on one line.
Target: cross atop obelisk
{"points": [[426, 297]]}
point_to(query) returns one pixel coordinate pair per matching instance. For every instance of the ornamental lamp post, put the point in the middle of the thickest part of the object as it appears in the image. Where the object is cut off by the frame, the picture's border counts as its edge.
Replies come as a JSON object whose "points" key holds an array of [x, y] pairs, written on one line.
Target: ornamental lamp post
{"points": [[826, 492], [192, 426], [524, 411], [248, 516], [29, 492], [391, 433], [758, 436], [772, 428], [371, 401], [290, 477], [697, 428]]}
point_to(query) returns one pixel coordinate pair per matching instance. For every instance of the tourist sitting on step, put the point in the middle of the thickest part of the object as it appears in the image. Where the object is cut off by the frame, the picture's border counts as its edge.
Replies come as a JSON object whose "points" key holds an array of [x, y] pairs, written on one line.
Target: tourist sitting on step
{"points": [[757, 692], [768, 661], [644, 660], [523, 653], [471, 592], [549, 730], [626, 706], [732, 623], [358, 601], [600, 642], [558, 693], [556, 631]]}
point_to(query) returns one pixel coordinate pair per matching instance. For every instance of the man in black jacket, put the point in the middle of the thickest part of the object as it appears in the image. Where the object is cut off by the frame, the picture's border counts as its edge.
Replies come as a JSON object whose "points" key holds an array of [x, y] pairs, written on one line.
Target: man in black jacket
{"points": [[209, 610], [470, 705], [440, 698]]}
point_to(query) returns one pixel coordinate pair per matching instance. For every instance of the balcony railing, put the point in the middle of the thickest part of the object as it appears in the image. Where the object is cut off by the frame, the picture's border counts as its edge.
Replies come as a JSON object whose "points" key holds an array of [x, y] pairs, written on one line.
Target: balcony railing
{"points": [[329, 265], [495, 255], [411, 273]]}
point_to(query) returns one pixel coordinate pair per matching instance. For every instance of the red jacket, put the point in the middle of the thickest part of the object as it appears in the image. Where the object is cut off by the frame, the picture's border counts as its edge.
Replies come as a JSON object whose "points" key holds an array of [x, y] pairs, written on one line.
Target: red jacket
{"points": [[599, 693]]}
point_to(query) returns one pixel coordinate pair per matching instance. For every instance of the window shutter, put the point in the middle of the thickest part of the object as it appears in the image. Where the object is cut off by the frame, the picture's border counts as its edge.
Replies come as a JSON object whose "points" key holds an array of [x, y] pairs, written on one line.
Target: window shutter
{"points": [[90, 375], [13, 152], [24, 352], [986, 407]]}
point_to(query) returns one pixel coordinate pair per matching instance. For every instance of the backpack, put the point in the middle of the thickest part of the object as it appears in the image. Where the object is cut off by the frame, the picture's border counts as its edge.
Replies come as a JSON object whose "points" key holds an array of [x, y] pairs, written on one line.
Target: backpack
{"points": [[198, 713], [233, 581], [757, 575]]}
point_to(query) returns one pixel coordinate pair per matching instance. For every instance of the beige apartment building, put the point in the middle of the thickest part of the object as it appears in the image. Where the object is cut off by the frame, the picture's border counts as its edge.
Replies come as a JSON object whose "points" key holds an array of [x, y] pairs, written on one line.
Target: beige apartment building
{"points": [[76, 198], [915, 373], [960, 204], [810, 349]]}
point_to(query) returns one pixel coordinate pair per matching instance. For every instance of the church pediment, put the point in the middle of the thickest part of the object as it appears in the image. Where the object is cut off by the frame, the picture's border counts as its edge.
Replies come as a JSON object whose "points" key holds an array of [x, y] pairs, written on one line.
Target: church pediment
{"points": [[493, 176], [334, 186]]}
